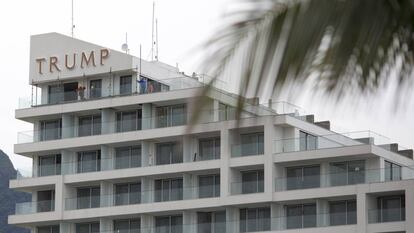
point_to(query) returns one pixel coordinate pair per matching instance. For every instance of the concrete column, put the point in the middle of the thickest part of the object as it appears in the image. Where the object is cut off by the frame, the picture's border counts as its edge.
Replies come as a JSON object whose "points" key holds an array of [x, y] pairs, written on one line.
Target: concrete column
{"points": [[147, 116], [189, 220], [60, 192], [225, 180], [35, 166], [76, 126], [269, 167], [279, 178], [69, 165], [105, 225], [147, 223], [147, 190], [44, 94], [232, 220], [188, 155], [66, 227], [188, 188], [108, 121], [36, 134], [107, 191], [107, 158], [277, 219], [67, 126], [409, 209], [216, 110], [322, 210], [362, 205], [145, 153], [324, 179]]}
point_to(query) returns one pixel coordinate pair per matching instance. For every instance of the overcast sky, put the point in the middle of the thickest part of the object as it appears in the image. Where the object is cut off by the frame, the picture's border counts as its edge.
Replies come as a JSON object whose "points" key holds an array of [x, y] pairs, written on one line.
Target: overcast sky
{"points": [[182, 26]]}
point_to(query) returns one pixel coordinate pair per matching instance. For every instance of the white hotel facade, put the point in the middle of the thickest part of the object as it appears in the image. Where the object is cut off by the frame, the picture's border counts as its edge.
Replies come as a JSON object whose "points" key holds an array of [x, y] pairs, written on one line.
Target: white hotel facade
{"points": [[114, 153]]}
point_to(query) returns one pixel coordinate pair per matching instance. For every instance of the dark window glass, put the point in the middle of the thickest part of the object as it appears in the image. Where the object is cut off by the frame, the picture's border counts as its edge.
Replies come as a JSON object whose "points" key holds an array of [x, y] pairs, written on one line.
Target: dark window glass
{"points": [[303, 177], [87, 227], [50, 130], [45, 201], [89, 125], [73, 92], [49, 165], [169, 153], [127, 226], [342, 212], [127, 194], [251, 144], [168, 116], [209, 148], [95, 87], [128, 157], [169, 224], [307, 141], [209, 186], [348, 172], [48, 229], [89, 161], [211, 222], [129, 120], [88, 197], [391, 208], [252, 182], [255, 219], [392, 171], [125, 85], [300, 216], [55, 94], [168, 189]]}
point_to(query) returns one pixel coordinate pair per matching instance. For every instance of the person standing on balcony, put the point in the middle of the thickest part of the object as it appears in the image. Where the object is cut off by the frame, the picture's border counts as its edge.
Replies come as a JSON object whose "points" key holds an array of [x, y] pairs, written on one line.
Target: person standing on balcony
{"points": [[142, 85]]}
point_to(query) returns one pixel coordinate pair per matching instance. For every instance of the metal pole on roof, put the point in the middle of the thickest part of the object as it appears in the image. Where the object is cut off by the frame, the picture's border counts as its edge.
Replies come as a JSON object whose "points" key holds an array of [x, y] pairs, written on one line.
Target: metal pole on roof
{"points": [[73, 25], [152, 34]]}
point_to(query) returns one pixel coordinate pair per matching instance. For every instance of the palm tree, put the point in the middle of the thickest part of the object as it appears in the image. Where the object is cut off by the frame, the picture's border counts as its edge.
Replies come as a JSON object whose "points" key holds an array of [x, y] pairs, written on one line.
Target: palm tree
{"points": [[344, 47]]}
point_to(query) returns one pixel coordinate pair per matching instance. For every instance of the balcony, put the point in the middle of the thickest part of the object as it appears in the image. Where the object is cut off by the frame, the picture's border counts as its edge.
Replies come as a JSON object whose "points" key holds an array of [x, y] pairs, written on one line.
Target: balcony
{"points": [[334, 179], [35, 207], [142, 197], [386, 215], [76, 94]]}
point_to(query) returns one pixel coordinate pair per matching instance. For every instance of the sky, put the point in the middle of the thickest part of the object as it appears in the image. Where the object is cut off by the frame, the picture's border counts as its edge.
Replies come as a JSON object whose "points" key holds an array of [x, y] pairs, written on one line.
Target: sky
{"points": [[182, 27]]}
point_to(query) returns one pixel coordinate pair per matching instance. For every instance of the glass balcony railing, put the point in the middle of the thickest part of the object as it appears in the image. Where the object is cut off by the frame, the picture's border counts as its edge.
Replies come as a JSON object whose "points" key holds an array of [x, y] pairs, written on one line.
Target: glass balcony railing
{"points": [[386, 215], [338, 179], [207, 116], [35, 207], [247, 187], [165, 85], [145, 196], [304, 144], [247, 149]]}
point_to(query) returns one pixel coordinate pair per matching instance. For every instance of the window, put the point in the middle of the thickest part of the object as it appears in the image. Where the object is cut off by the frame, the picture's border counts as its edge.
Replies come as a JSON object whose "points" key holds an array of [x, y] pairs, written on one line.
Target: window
{"points": [[128, 194], [89, 125], [89, 161], [209, 186], [127, 225], [125, 85], [251, 144], [211, 222], [169, 153], [95, 87], [49, 165], [48, 229], [307, 141], [252, 181], [301, 216], [50, 130], [168, 116], [129, 120], [154, 86], [209, 148], [169, 224], [55, 94], [226, 112], [168, 189], [127, 157], [348, 172], [87, 227], [391, 208], [392, 171], [342, 212], [255, 219], [88, 197], [73, 92], [303, 177], [45, 201]]}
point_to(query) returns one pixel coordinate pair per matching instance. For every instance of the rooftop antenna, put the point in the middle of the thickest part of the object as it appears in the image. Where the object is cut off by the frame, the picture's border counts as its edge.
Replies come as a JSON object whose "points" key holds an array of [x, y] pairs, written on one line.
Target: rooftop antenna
{"points": [[125, 45], [156, 39], [152, 34], [73, 25]]}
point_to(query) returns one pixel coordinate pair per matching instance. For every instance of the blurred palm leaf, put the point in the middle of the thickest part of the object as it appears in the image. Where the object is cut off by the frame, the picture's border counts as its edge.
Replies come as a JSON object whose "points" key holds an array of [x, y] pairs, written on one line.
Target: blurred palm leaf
{"points": [[347, 46]]}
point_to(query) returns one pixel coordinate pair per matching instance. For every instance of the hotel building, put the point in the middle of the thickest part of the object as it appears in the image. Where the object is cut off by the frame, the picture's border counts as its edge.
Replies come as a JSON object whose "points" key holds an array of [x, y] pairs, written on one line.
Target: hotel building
{"points": [[115, 148]]}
